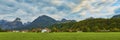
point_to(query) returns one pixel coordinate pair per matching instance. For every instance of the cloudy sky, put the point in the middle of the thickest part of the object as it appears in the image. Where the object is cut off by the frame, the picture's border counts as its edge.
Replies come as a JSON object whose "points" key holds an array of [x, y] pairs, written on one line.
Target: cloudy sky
{"points": [[28, 10]]}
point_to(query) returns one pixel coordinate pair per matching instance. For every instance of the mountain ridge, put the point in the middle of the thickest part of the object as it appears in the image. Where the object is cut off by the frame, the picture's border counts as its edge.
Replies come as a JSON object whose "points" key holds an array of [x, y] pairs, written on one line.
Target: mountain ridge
{"points": [[40, 22]]}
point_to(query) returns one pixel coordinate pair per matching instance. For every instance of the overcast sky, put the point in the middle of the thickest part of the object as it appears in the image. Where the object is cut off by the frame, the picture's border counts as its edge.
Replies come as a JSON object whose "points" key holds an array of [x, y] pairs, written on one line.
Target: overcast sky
{"points": [[28, 10]]}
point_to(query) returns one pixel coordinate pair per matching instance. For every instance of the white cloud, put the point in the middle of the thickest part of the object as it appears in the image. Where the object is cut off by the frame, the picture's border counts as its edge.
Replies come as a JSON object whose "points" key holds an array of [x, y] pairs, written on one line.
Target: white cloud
{"points": [[57, 9], [95, 7], [57, 2]]}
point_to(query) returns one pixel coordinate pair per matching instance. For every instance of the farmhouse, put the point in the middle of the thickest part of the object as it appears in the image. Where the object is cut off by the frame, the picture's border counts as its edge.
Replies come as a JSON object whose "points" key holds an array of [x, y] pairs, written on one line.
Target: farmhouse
{"points": [[45, 30]]}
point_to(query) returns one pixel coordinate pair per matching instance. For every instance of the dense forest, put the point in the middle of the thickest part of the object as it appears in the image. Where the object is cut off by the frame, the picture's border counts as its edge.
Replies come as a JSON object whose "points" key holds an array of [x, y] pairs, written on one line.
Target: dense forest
{"points": [[89, 25]]}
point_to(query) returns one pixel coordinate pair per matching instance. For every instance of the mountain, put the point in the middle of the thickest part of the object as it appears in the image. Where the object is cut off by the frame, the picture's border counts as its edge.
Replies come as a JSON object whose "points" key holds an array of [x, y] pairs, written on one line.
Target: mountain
{"points": [[17, 22], [28, 23], [45, 21], [116, 16], [3, 24], [11, 25], [42, 21], [66, 21]]}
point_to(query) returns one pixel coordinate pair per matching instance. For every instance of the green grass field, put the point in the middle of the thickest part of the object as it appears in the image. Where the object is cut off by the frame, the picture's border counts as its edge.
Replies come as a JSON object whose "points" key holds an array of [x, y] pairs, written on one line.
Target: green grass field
{"points": [[60, 36]]}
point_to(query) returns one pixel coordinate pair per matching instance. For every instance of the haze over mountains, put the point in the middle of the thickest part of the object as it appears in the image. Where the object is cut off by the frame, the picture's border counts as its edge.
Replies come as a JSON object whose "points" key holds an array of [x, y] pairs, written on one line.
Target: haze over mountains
{"points": [[40, 22]]}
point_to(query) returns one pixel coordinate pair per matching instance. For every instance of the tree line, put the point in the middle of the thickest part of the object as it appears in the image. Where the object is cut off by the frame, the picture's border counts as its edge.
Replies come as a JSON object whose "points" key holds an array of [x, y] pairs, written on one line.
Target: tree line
{"points": [[89, 25]]}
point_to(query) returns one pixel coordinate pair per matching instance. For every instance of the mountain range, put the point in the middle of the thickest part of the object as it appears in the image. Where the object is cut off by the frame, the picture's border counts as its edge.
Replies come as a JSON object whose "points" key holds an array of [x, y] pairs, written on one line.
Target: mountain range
{"points": [[40, 22]]}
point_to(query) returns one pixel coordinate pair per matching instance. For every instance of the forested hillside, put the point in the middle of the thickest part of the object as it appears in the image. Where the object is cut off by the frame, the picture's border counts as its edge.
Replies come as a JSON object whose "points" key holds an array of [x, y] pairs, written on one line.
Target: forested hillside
{"points": [[89, 25]]}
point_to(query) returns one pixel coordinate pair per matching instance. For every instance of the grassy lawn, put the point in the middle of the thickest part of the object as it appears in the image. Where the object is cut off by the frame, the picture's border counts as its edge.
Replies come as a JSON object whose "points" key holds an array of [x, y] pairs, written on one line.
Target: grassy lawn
{"points": [[60, 36]]}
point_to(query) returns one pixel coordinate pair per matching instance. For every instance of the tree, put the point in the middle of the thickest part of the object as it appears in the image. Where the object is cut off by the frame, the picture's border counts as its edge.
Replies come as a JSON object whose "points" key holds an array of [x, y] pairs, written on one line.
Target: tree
{"points": [[86, 29], [115, 30]]}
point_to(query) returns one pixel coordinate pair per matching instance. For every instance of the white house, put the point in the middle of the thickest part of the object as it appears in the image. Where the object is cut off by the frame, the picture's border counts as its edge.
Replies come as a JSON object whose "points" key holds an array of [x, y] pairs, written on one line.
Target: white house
{"points": [[46, 30]]}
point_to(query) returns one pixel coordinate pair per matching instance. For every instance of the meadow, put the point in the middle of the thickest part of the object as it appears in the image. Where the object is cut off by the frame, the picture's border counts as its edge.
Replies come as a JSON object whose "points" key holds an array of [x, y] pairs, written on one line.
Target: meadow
{"points": [[61, 36]]}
